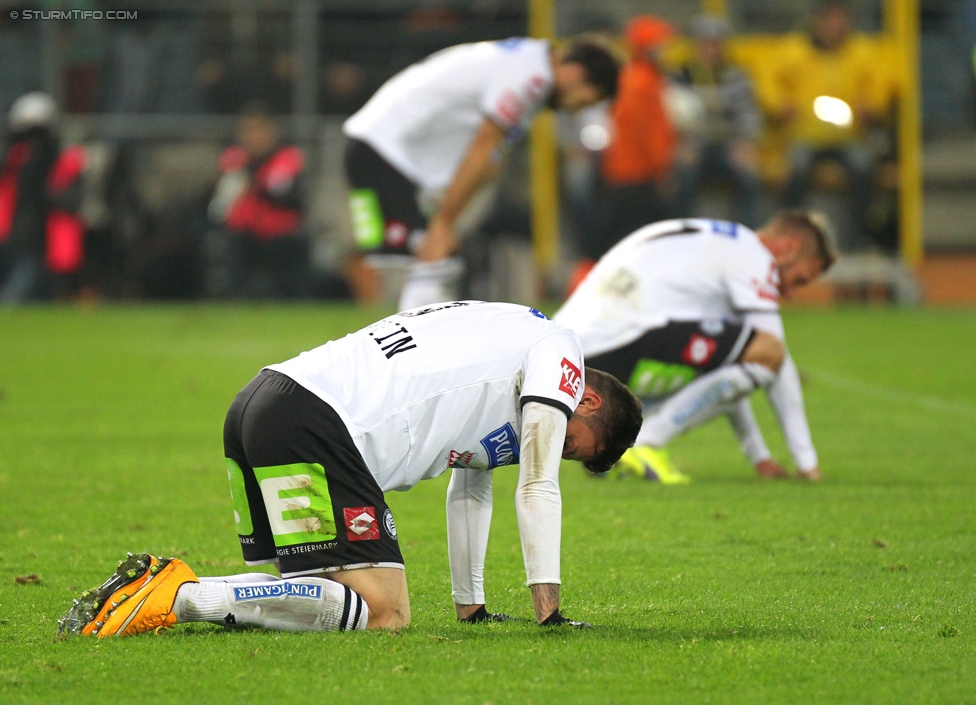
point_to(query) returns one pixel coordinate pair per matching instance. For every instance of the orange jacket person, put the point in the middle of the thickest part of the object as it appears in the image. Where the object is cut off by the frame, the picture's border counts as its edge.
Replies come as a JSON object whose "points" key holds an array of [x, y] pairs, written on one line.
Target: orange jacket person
{"points": [[642, 147]]}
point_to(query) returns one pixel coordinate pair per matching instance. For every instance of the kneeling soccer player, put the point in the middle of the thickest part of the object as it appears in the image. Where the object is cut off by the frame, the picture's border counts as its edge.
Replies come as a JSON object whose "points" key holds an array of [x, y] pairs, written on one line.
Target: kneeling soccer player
{"points": [[687, 313], [313, 443]]}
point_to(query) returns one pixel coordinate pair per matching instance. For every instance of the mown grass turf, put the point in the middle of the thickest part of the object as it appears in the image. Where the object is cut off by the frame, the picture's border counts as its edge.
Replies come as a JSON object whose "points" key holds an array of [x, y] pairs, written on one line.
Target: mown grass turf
{"points": [[860, 589]]}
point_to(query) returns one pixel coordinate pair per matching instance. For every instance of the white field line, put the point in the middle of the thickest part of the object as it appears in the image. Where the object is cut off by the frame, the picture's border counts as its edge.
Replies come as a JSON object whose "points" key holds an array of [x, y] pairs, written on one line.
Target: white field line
{"points": [[852, 384]]}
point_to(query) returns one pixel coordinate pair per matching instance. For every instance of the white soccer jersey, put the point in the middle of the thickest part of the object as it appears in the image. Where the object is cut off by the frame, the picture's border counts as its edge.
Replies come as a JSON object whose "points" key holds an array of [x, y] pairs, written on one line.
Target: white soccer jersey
{"points": [[674, 270], [442, 386], [423, 119]]}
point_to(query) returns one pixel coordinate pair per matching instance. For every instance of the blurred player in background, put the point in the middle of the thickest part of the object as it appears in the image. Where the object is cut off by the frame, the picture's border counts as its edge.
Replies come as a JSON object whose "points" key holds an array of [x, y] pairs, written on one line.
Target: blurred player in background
{"points": [[259, 206], [437, 132], [312, 445], [686, 312]]}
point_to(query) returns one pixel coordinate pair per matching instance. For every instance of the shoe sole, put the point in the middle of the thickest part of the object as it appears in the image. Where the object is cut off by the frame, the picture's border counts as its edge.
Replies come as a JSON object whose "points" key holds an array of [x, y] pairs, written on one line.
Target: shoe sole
{"points": [[86, 608]]}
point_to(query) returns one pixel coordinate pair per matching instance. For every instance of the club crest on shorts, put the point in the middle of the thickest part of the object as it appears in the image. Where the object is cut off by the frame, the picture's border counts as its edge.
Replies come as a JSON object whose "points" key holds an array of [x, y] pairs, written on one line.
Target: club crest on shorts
{"points": [[699, 350], [361, 524], [388, 524], [396, 233], [571, 378], [459, 459]]}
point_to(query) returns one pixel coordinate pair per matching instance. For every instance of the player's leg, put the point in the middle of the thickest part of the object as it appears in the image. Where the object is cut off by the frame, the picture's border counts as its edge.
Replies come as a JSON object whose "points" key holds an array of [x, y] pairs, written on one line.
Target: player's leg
{"points": [[712, 392], [386, 218], [684, 373], [287, 511], [168, 593], [657, 364], [325, 514], [308, 603], [385, 591], [430, 283], [370, 598]]}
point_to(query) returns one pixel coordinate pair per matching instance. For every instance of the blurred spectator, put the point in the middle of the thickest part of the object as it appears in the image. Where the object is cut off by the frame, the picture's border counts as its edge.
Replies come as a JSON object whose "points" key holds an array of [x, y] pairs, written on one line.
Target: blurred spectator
{"points": [[343, 87], [829, 92], [638, 161], [721, 137], [258, 204], [41, 233]]}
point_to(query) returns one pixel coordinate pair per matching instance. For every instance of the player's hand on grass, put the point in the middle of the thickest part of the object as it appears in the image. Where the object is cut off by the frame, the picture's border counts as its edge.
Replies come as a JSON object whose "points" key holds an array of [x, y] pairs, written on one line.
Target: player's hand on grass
{"points": [[812, 475], [483, 615], [557, 620], [769, 468]]}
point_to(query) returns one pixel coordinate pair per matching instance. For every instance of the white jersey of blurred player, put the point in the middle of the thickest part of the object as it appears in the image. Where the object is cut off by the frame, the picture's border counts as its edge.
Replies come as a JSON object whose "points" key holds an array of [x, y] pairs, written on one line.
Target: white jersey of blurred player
{"points": [[687, 313], [445, 123], [422, 120]]}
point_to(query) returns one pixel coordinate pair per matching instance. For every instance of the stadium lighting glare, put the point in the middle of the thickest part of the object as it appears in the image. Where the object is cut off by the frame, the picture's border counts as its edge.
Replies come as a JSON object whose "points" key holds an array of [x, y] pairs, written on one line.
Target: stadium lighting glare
{"points": [[833, 110], [594, 137]]}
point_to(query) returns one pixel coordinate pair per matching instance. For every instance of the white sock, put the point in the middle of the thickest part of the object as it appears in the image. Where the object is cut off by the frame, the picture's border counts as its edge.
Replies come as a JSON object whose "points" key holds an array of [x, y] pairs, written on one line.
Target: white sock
{"points": [[293, 605], [430, 283], [701, 400]]}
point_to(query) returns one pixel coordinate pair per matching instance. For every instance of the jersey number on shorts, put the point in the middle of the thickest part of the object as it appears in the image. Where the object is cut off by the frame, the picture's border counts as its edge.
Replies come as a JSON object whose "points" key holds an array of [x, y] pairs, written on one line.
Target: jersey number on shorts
{"points": [[298, 503]]}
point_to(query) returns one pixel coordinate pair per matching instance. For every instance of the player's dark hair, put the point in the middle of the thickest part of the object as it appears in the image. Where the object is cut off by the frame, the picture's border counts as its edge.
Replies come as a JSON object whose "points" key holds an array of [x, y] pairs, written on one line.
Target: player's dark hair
{"points": [[601, 66], [617, 422], [816, 226]]}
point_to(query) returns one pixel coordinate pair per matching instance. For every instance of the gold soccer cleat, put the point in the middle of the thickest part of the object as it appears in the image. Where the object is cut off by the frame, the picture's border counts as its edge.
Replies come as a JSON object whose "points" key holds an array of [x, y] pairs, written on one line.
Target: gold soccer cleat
{"points": [[150, 608], [88, 612], [647, 463]]}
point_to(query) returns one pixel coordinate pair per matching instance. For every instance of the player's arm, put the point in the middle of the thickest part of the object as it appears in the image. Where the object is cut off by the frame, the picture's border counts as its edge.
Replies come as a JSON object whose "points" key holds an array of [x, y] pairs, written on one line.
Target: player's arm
{"points": [[538, 503], [468, 523], [480, 163], [786, 397], [751, 440]]}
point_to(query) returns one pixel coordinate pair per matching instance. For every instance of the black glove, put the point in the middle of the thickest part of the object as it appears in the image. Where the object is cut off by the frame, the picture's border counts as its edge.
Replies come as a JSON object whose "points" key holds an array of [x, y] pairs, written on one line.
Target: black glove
{"points": [[483, 615], [556, 619]]}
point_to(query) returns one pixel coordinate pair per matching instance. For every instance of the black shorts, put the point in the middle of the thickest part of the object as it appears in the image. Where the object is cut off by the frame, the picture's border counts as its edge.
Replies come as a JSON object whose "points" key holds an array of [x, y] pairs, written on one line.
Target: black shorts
{"points": [[382, 203], [665, 359], [302, 493]]}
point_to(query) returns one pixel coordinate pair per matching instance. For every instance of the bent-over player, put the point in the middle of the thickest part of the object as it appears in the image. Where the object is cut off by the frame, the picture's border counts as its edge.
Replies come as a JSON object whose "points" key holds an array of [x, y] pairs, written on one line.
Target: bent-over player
{"points": [[686, 312], [438, 131], [312, 445]]}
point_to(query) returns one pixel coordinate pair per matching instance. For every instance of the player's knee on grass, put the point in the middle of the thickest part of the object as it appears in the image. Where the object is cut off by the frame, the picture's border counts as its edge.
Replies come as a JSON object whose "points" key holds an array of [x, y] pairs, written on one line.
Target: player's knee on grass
{"points": [[766, 350], [385, 593]]}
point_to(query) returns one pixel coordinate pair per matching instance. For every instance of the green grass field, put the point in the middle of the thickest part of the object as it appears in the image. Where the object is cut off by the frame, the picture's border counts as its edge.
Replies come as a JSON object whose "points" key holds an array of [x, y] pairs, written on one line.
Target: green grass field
{"points": [[860, 589]]}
